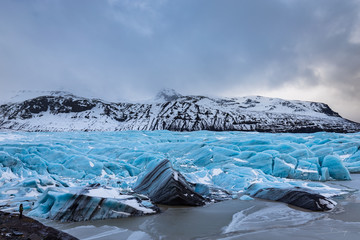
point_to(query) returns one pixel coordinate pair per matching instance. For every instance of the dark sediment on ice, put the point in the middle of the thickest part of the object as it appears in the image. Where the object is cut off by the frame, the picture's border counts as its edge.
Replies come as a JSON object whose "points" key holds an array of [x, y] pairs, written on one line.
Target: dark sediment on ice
{"points": [[164, 185], [79, 206], [295, 196]]}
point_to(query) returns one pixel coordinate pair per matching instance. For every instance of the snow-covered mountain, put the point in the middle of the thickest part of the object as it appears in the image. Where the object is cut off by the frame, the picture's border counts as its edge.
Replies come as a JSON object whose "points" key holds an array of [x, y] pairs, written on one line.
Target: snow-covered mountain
{"points": [[61, 111]]}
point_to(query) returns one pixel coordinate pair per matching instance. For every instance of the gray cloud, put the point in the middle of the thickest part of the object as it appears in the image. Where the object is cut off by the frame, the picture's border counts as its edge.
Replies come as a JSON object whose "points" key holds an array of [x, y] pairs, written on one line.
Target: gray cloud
{"points": [[130, 49]]}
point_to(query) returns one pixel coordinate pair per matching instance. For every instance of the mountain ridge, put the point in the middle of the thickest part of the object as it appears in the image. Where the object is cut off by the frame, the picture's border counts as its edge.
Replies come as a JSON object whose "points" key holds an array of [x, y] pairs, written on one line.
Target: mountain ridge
{"points": [[171, 111]]}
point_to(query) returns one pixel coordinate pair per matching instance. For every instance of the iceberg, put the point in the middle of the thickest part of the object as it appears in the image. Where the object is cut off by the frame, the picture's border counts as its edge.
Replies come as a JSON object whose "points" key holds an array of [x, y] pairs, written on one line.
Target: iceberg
{"points": [[201, 167], [336, 168], [296, 196], [163, 185], [92, 202]]}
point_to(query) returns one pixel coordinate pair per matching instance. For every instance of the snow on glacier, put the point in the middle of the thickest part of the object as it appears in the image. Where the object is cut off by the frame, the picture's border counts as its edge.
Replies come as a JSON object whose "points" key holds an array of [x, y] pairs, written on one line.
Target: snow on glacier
{"points": [[30, 163]]}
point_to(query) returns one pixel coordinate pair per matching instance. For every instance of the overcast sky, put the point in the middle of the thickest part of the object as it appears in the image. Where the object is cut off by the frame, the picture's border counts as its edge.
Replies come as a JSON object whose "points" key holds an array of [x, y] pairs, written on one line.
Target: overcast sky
{"points": [[130, 49]]}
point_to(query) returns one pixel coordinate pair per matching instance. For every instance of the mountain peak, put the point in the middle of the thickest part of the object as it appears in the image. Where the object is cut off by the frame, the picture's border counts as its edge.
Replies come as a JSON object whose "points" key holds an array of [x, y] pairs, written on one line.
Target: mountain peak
{"points": [[59, 111], [167, 95], [22, 95]]}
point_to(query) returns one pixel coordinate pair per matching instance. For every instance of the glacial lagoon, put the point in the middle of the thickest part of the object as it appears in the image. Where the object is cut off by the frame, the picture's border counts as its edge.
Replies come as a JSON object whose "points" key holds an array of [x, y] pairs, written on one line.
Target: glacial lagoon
{"points": [[35, 164]]}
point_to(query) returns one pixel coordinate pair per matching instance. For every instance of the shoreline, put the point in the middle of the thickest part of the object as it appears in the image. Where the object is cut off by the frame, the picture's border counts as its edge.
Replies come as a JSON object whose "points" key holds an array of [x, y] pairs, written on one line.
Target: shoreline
{"points": [[12, 227]]}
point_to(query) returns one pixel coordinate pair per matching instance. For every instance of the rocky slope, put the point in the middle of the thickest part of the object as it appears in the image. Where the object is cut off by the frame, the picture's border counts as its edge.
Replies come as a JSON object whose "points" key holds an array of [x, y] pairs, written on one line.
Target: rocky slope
{"points": [[58, 111], [11, 227]]}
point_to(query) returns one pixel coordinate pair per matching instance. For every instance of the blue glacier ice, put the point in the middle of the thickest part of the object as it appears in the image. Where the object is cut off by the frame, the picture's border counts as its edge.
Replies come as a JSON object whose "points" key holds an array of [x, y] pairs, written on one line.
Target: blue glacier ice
{"points": [[224, 162], [92, 202]]}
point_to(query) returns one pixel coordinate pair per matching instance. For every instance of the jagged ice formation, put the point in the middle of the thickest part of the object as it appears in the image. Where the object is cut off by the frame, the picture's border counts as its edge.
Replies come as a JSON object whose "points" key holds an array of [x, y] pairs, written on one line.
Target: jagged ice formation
{"points": [[164, 185], [50, 166]]}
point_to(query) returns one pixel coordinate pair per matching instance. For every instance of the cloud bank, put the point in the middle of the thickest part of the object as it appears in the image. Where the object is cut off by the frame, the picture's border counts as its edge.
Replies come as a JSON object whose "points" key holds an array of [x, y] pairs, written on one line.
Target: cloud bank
{"points": [[129, 49]]}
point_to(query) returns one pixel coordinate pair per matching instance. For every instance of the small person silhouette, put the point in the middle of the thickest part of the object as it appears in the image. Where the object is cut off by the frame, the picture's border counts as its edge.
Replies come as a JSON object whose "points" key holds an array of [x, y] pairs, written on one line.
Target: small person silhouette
{"points": [[21, 209]]}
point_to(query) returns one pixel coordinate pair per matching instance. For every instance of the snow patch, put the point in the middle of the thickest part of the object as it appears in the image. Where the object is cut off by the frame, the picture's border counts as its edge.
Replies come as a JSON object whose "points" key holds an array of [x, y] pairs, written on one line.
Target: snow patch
{"points": [[216, 171], [133, 203], [176, 176]]}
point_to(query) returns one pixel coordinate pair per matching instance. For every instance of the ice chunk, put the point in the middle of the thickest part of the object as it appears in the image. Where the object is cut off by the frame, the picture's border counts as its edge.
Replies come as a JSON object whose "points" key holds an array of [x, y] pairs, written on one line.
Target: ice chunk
{"points": [[212, 193], [162, 184], [325, 174], [300, 197], [306, 169], [301, 153], [246, 198], [282, 168], [322, 152], [353, 162], [261, 161], [336, 168], [90, 203]]}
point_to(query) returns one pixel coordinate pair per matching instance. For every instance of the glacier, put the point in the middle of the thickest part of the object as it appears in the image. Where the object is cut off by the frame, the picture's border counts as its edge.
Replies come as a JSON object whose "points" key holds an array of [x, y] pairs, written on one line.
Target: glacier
{"points": [[44, 170]]}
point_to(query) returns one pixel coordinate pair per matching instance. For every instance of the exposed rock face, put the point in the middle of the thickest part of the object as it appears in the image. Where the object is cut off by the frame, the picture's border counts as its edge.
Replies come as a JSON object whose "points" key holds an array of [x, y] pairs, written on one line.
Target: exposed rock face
{"points": [[172, 111], [164, 185], [295, 196]]}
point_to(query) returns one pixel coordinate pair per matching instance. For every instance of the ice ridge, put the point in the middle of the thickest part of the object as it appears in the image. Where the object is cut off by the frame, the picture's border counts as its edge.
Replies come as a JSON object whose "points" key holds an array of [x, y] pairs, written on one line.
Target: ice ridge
{"points": [[215, 165]]}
